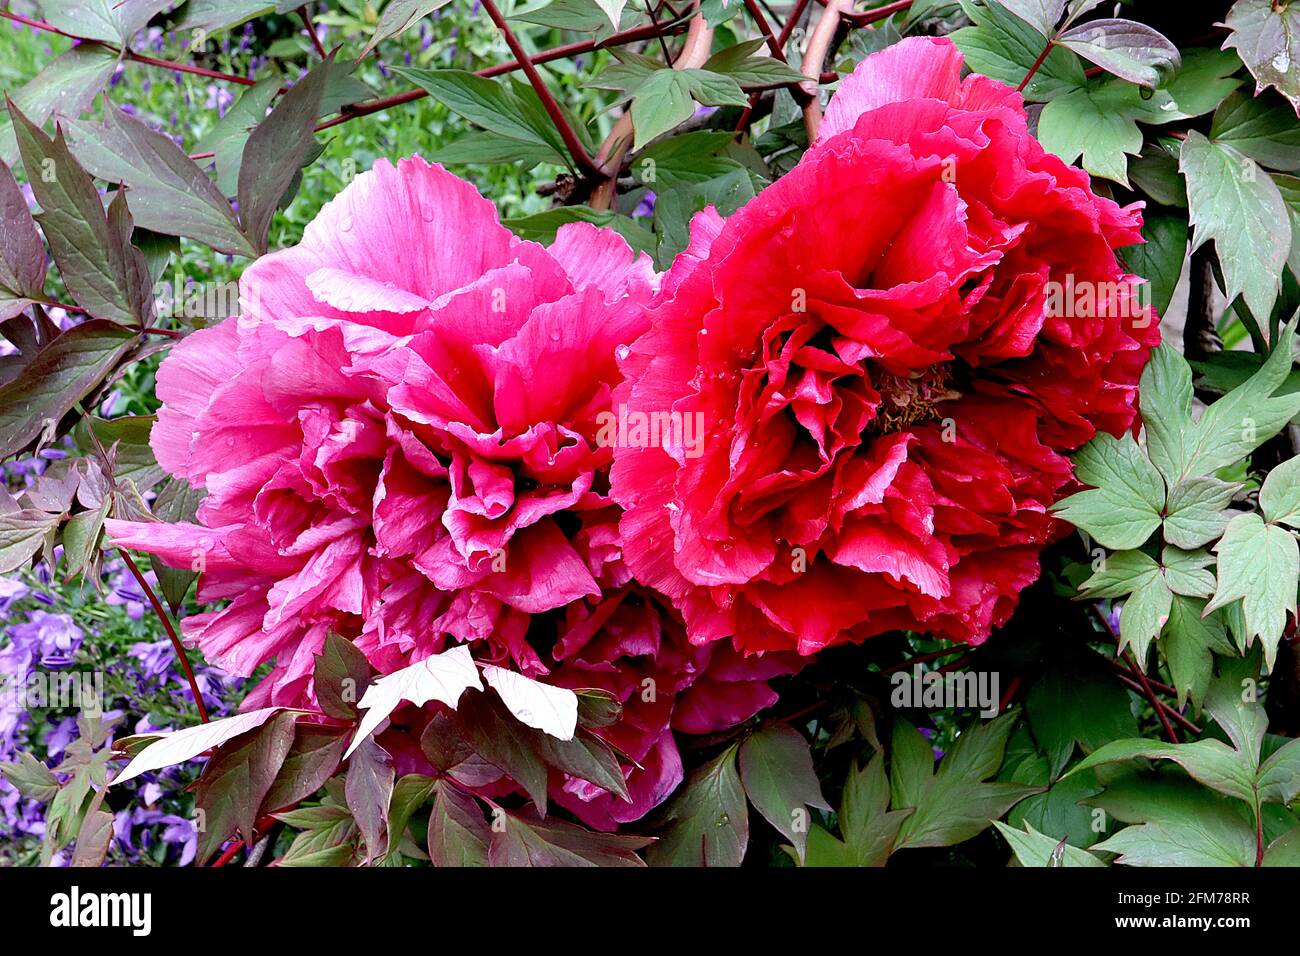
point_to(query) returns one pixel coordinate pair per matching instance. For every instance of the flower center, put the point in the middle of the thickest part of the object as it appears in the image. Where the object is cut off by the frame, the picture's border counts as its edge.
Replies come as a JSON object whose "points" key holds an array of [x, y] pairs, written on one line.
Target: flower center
{"points": [[909, 400]]}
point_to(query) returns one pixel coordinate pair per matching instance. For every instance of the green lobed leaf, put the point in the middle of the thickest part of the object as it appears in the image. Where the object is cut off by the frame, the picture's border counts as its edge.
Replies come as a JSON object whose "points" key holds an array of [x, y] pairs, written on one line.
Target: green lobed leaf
{"points": [[1266, 132], [31, 778], [1130, 50], [776, 769], [1196, 512], [65, 87], [398, 17], [368, 788], [1187, 572], [1238, 206], [97, 262], [870, 828], [1122, 573], [1267, 36], [1001, 45], [1229, 430], [1209, 842], [493, 105], [706, 823], [526, 842], [458, 834], [1036, 849], [667, 98], [1259, 564], [1160, 259], [739, 63], [1090, 123], [237, 778], [953, 804], [1210, 762], [170, 194], [1279, 498], [60, 376], [1189, 639], [1124, 505], [276, 151]]}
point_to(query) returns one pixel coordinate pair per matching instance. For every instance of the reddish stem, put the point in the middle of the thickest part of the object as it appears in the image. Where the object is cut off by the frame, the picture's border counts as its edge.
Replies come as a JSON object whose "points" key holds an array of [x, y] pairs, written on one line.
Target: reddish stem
{"points": [[880, 13], [571, 142], [757, 13], [558, 53], [791, 22], [187, 68], [129, 54], [1011, 692], [228, 853], [311, 31], [1156, 703], [921, 659], [1173, 714], [171, 632], [1147, 690], [1034, 69]]}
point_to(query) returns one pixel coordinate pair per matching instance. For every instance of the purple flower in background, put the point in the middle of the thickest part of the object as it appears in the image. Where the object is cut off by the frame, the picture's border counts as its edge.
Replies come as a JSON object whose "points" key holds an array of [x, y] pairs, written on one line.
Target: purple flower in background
{"points": [[219, 99], [929, 734], [125, 590], [53, 637], [646, 207], [109, 404], [176, 832], [61, 734], [155, 657], [11, 589]]}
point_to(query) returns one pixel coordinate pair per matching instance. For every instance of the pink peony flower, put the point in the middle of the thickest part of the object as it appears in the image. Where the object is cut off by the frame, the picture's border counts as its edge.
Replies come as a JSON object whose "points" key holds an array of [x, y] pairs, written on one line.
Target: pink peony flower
{"points": [[879, 388], [397, 433]]}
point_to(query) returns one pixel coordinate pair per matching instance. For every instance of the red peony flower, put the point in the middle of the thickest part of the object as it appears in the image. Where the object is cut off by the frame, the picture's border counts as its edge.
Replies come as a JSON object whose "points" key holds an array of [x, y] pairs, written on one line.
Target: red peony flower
{"points": [[850, 412]]}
